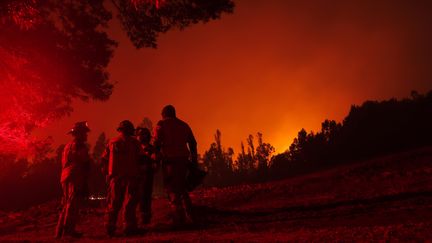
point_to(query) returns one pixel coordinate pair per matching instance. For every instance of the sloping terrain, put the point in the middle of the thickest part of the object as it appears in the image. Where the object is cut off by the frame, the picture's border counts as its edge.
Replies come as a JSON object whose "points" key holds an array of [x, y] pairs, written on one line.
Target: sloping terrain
{"points": [[387, 198]]}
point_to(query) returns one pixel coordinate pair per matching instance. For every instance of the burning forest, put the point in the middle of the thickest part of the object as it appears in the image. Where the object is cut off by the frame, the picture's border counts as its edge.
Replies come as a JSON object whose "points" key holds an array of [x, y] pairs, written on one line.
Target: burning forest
{"points": [[123, 120]]}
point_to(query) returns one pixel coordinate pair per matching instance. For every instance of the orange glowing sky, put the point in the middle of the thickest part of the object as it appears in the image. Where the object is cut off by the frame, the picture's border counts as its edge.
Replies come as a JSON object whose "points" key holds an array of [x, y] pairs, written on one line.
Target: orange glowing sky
{"points": [[272, 67]]}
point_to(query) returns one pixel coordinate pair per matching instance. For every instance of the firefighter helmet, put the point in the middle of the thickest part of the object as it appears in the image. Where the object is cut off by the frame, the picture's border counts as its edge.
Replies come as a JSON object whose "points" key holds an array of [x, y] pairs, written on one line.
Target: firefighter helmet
{"points": [[79, 127], [127, 127]]}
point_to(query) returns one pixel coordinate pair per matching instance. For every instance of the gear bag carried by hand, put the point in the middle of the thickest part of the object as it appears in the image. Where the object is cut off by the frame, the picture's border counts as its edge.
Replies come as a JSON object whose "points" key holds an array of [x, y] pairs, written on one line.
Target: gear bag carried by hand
{"points": [[195, 177]]}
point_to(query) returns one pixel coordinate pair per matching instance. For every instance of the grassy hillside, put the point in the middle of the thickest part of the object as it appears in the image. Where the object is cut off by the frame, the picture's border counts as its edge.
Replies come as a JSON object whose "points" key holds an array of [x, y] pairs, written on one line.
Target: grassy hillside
{"points": [[384, 198]]}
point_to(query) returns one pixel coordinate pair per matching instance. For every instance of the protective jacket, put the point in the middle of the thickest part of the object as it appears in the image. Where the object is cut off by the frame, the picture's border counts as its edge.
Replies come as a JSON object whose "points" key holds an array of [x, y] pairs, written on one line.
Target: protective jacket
{"points": [[123, 154], [75, 162], [172, 137]]}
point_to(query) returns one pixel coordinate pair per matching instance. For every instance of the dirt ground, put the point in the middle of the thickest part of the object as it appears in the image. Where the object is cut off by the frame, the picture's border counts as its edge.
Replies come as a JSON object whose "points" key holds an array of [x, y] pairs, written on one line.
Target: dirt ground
{"points": [[387, 198]]}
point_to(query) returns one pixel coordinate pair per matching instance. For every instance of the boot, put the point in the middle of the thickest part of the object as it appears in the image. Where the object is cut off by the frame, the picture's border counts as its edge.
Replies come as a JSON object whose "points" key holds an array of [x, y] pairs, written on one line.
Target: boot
{"points": [[73, 234], [110, 231]]}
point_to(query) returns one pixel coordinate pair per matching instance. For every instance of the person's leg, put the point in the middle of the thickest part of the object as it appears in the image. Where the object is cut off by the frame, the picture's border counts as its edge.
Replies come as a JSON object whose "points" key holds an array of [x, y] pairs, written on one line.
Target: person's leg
{"points": [[176, 186], [141, 198], [72, 210], [146, 198], [176, 202], [61, 220], [116, 192], [187, 205], [130, 221]]}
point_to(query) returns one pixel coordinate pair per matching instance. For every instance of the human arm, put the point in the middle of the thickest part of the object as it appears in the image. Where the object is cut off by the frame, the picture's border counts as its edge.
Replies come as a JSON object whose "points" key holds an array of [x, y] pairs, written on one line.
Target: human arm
{"points": [[192, 144], [104, 160]]}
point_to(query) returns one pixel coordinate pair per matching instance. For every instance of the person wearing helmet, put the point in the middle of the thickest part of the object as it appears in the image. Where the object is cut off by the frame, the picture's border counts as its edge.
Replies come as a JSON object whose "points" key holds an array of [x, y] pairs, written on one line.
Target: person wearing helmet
{"points": [[74, 177], [177, 144], [148, 166], [122, 155]]}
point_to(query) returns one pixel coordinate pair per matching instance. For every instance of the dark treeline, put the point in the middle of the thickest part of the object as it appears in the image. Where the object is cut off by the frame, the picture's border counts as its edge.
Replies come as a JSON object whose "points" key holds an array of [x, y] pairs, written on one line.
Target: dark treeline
{"points": [[371, 129], [252, 164], [26, 182]]}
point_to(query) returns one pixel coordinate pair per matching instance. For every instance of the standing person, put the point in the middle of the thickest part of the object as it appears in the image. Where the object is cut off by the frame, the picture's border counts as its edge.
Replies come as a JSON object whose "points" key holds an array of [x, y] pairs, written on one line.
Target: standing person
{"points": [[148, 166], [175, 140], [122, 154], [74, 179]]}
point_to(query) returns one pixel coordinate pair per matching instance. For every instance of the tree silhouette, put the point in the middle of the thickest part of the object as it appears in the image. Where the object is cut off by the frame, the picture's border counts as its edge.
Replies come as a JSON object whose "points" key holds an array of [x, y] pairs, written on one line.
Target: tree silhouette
{"points": [[263, 154], [97, 178], [242, 160], [147, 123], [251, 153], [143, 21], [99, 146], [218, 162], [371, 129], [55, 51], [25, 183]]}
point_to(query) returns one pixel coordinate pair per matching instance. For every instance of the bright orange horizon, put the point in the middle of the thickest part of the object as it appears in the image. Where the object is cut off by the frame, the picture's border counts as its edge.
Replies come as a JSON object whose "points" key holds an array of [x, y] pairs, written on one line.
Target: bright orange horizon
{"points": [[272, 67]]}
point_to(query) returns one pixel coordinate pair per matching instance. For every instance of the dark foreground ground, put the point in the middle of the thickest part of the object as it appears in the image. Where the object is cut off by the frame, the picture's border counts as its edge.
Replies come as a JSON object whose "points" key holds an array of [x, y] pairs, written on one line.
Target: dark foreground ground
{"points": [[388, 198]]}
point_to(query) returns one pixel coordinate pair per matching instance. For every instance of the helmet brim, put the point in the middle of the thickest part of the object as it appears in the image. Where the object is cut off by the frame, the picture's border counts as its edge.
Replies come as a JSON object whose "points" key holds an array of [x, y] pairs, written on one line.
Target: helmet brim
{"points": [[79, 130]]}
